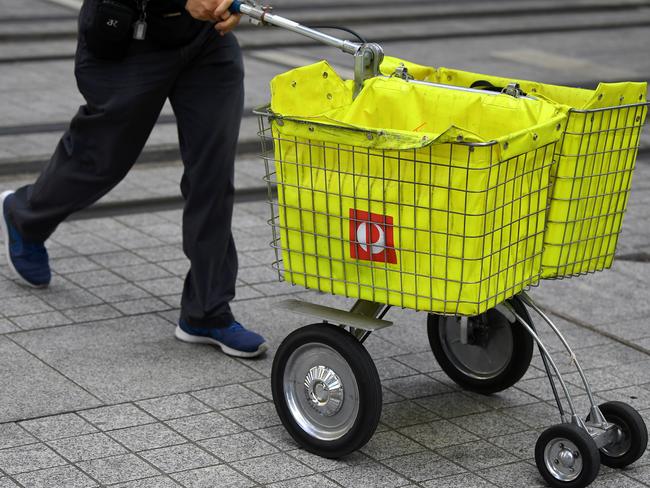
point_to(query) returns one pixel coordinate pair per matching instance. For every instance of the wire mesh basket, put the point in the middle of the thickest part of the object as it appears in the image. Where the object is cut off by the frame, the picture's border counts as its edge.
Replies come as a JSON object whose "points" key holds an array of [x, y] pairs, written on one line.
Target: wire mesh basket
{"points": [[592, 182], [450, 228]]}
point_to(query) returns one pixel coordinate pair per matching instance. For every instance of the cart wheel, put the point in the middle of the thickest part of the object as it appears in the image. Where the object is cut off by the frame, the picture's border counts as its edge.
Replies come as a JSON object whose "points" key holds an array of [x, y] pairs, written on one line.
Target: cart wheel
{"points": [[632, 435], [326, 390], [496, 356], [567, 456]]}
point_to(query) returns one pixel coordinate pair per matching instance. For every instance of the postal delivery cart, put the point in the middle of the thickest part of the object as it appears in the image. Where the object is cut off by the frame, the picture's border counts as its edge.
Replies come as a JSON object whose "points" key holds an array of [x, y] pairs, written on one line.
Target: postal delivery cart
{"points": [[448, 199]]}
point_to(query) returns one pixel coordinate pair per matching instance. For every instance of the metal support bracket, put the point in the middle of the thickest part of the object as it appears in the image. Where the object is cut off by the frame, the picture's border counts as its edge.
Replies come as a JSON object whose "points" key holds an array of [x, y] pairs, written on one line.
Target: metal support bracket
{"points": [[367, 61], [357, 318]]}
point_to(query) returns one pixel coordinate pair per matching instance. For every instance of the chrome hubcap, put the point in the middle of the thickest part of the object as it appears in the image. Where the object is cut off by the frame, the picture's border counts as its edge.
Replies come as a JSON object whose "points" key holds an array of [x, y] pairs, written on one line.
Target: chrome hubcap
{"points": [[563, 459], [321, 391], [324, 390], [620, 445]]}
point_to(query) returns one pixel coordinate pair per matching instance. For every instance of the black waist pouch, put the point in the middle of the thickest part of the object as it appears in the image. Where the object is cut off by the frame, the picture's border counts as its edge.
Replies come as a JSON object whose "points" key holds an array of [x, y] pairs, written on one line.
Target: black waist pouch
{"points": [[110, 31], [171, 27]]}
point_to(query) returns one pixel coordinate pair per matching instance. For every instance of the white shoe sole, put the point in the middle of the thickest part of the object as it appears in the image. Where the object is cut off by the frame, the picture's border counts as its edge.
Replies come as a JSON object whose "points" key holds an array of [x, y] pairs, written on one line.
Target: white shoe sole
{"points": [[5, 232], [181, 335]]}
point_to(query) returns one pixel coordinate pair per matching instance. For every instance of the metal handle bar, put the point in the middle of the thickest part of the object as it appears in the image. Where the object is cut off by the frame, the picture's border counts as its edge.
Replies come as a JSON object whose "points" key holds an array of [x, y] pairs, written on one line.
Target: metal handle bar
{"points": [[264, 16]]}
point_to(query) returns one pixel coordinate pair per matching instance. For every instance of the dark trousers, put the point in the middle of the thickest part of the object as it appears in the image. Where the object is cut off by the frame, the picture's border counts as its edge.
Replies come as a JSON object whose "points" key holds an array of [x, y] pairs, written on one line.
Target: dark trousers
{"points": [[204, 83]]}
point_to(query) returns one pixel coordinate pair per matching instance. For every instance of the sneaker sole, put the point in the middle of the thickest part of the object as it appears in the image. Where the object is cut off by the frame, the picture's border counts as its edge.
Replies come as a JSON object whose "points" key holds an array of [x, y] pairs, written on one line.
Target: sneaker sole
{"points": [[5, 233], [181, 335]]}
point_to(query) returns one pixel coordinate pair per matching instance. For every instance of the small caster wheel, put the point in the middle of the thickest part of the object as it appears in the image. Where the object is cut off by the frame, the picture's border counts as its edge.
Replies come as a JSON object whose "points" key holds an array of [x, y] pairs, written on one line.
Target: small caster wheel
{"points": [[326, 390], [567, 456], [631, 435], [497, 353]]}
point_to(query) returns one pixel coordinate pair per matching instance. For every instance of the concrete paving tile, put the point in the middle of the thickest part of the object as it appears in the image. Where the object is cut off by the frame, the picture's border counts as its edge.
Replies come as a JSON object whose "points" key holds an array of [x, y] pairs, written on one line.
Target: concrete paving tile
{"points": [[636, 372], [173, 406], [92, 314], [489, 424], [541, 388], [116, 259], [119, 293], [261, 387], [315, 481], [143, 305], [254, 417], [449, 405], [87, 447], [258, 274], [148, 436], [616, 480], [416, 386], [423, 466], [271, 468], [67, 476], [14, 306], [177, 267], [238, 447], [160, 254], [536, 415], [32, 457], [639, 472], [511, 475], [7, 483], [155, 482], [437, 434], [140, 342], [424, 362], [247, 293], [182, 457], [6, 326], [116, 417], [13, 435], [380, 348], [117, 469], [204, 426], [41, 320], [508, 398], [141, 272], [69, 298], [637, 397], [210, 477], [162, 286], [466, 480], [74, 264], [323, 465], [405, 413], [388, 369], [41, 392], [88, 279], [384, 445], [86, 244], [477, 455], [521, 444], [600, 380], [367, 476], [389, 396], [58, 426], [229, 396], [278, 437]]}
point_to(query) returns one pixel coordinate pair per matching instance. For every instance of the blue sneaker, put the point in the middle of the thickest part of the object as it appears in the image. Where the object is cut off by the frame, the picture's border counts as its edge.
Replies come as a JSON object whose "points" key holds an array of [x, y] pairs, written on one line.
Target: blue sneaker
{"points": [[28, 260], [233, 340]]}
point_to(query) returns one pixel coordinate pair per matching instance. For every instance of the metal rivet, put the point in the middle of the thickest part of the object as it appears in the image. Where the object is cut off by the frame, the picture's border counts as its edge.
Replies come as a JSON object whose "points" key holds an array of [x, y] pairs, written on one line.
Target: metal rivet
{"points": [[449, 77], [325, 74], [600, 96], [369, 136], [293, 84], [459, 138], [311, 129], [621, 98], [558, 126], [638, 119], [534, 90], [329, 96], [425, 138], [280, 122], [641, 96], [535, 136], [505, 145]]}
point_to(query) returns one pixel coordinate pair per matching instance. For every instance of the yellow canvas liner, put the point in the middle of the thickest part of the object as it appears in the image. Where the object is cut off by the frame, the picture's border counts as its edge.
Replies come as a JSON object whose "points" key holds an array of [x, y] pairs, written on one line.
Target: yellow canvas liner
{"points": [[595, 161], [454, 186]]}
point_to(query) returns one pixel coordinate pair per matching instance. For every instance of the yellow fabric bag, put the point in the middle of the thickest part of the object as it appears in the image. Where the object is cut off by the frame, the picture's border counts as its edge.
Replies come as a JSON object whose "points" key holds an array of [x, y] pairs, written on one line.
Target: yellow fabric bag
{"points": [[595, 160], [410, 195]]}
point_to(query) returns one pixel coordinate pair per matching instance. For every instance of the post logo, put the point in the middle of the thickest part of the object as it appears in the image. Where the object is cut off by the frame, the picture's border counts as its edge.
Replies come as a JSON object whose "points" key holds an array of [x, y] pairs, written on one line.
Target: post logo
{"points": [[371, 237]]}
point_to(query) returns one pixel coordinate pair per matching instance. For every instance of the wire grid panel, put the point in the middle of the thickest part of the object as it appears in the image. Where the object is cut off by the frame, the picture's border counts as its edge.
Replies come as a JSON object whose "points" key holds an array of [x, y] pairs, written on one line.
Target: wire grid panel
{"points": [[446, 228], [591, 186]]}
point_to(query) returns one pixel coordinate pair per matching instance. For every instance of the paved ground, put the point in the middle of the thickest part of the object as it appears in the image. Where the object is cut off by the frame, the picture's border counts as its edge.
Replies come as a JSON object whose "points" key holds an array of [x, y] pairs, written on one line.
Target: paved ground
{"points": [[95, 391]]}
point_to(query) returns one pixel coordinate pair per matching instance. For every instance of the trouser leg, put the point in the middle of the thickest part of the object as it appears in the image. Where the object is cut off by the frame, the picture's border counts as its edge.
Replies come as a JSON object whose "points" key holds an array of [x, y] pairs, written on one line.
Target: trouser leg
{"points": [[123, 101], [208, 100]]}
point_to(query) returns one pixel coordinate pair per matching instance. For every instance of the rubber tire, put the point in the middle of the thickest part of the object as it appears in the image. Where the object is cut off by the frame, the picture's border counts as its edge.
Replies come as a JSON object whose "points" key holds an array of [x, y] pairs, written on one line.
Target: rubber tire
{"points": [[625, 416], [370, 395], [588, 452], [523, 345]]}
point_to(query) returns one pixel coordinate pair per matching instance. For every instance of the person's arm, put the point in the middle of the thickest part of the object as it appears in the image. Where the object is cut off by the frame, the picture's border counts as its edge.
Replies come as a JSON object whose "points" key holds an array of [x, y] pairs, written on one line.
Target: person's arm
{"points": [[212, 10]]}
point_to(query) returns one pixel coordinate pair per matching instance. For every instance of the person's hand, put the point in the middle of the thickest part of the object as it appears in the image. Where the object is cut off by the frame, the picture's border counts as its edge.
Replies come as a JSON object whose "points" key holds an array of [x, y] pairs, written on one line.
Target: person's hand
{"points": [[203, 9], [226, 21]]}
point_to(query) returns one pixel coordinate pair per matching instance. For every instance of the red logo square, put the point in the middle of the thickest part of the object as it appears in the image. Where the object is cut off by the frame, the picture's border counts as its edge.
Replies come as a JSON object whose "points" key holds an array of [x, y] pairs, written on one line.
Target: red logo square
{"points": [[371, 237]]}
